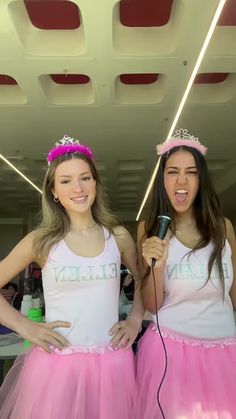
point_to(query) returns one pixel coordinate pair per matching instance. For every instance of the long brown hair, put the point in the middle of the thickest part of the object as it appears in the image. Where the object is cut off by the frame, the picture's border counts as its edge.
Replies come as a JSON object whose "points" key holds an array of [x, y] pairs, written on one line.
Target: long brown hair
{"points": [[55, 221], [209, 217]]}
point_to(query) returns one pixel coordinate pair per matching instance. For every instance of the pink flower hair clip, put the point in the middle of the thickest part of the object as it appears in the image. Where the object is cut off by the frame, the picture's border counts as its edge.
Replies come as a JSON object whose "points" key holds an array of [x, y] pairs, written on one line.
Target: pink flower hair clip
{"points": [[68, 145], [181, 138]]}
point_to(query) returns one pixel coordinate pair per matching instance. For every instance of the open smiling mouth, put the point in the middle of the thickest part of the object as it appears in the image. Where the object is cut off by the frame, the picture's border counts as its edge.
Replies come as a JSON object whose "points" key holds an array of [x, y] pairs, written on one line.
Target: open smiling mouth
{"points": [[181, 195], [79, 199]]}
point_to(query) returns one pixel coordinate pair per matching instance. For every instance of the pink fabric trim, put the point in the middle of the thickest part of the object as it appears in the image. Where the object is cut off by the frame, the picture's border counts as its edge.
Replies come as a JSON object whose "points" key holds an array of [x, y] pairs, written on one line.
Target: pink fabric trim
{"points": [[84, 349], [194, 341]]}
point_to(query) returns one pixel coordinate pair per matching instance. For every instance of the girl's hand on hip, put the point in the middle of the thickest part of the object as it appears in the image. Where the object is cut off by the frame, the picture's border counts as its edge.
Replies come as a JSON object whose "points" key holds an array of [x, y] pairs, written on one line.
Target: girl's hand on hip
{"points": [[124, 333], [43, 334]]}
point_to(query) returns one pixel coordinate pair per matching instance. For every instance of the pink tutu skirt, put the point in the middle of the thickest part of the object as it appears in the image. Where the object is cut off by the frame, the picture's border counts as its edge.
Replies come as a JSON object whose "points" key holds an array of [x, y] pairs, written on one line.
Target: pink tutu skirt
{"points": [[200, 382], [77, 385]]}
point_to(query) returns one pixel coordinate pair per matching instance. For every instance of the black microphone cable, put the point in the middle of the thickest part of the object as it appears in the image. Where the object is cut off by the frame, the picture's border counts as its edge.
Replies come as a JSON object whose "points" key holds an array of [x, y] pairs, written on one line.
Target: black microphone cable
{"points": [[163, 344], [162, 227]]}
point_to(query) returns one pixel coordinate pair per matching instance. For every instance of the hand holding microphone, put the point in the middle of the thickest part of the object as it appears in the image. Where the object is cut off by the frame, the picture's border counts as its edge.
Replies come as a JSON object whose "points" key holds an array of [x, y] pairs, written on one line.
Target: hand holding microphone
{"points": [[155, 248]]}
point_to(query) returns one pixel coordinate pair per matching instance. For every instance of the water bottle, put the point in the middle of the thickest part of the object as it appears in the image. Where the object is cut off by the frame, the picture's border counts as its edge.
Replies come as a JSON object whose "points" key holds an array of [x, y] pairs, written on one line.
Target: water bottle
{"points": [[26, 304], [35, 315], [36, 302]]}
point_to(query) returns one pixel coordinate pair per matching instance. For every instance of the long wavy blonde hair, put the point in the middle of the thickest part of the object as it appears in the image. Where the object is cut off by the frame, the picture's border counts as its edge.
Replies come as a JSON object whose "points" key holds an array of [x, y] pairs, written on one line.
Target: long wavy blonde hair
{"points": [[55, 221]]}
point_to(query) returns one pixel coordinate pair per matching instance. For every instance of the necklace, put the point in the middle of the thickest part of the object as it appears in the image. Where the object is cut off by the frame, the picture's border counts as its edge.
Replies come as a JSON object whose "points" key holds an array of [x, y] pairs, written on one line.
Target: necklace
{"points": [[180, 233]]}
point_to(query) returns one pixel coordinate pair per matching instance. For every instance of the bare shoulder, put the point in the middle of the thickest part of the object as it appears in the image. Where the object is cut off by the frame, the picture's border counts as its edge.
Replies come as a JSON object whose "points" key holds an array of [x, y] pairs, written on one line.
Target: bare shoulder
{"points": [[26, 245], [120, 231], [230, 234], [123, 239], [20, 256], [30, 237], [127, 248], [141, 231], [141, 226], [122, 236]]}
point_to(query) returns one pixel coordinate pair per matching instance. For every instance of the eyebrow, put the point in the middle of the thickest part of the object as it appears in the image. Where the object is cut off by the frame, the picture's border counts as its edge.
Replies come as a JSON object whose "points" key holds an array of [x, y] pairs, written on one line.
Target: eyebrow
{"points": [[81, 174], [187, 168]]}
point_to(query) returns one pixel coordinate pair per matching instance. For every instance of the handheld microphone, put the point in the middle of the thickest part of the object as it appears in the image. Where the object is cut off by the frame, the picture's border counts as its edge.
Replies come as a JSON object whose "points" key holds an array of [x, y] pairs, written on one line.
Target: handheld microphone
{"points": [[162, 227]]}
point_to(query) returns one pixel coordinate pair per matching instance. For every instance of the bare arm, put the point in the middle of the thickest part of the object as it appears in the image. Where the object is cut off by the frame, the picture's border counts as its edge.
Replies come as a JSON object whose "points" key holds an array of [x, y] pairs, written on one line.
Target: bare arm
{"points": [[148, 249], [231, 239], [15, 262], [124, 332], [39, 334], [129, 259]]}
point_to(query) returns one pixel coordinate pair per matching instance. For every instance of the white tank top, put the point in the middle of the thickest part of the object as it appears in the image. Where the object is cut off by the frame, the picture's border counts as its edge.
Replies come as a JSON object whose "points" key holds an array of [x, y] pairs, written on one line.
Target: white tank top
{"points": [[83, 291], [191, 306]]}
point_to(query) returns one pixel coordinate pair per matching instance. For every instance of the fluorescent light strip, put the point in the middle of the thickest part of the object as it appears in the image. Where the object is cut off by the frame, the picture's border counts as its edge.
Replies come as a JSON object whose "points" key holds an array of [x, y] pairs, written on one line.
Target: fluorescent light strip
{"points": [[197, 65], [186, 93], [19, 173]]}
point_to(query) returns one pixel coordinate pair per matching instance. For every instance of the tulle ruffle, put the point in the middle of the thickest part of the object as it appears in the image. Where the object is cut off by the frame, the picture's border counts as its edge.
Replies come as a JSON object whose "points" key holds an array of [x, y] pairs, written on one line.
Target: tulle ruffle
{"points": [[78, 385], [200, 382]]}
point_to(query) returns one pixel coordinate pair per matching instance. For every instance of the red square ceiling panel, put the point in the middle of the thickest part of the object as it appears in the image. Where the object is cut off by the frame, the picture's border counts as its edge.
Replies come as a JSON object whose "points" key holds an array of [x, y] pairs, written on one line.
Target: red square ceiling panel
{"points": [[53, 14], [210, 78], [4, 79], [70, 78], [228, 15], [139, 78], [144, 13]]}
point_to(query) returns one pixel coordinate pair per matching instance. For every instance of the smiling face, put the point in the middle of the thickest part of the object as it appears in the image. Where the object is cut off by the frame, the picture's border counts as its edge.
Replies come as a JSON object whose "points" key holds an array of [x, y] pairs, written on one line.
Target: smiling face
{"points": [[181, 180], [74, 186]]}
